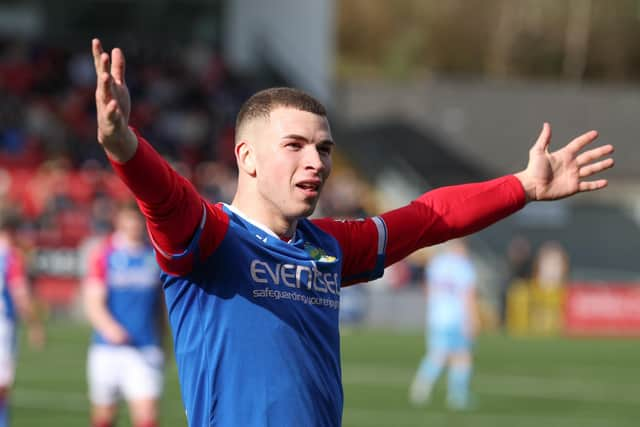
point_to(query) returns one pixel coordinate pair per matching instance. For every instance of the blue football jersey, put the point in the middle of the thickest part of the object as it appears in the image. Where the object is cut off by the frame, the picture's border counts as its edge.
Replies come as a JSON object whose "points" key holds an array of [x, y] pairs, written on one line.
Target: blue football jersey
{"points": [[255, 319], [131, 277], [255, 329]]}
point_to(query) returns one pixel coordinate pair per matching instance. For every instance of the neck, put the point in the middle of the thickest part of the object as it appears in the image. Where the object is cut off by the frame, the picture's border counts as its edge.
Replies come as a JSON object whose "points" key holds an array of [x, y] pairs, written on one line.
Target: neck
{"points": [[269, 216]]}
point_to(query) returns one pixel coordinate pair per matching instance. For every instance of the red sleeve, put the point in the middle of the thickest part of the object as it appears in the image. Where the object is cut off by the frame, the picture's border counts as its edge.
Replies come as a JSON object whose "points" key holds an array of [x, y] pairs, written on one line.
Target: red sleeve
{"points": [[177, 217], [374, 243], [97, 267], [16, 275]]}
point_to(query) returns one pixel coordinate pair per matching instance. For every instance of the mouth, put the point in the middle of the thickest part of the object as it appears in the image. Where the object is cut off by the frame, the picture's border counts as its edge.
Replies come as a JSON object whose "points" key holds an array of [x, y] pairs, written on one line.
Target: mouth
{"points": [[311, 188]]}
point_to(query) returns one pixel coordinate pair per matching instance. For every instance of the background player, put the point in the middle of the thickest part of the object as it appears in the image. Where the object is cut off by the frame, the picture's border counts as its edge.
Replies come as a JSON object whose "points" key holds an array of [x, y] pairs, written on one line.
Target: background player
{"points": [[14, 296], [452, 323], [253, 287], [123, 302]]}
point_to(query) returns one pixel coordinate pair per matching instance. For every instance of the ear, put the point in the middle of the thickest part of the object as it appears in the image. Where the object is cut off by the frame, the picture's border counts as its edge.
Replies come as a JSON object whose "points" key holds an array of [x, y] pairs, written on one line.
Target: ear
{"points": [[245, 156]]}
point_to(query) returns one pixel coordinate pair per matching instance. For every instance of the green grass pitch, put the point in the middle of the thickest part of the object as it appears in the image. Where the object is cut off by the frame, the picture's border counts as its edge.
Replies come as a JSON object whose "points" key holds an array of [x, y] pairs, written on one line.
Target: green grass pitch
{"points": [[517, 382]]}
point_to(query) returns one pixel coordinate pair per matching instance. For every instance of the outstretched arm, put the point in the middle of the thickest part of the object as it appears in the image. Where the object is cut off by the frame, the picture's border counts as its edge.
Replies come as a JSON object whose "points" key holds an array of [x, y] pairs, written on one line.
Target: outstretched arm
{"points": [[449, 212], [173, 209], [436, 216], [559, 174]]}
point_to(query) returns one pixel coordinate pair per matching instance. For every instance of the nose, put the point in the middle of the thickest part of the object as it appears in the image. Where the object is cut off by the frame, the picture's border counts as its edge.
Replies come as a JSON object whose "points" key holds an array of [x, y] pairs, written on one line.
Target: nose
{"points": [[313, 159]]}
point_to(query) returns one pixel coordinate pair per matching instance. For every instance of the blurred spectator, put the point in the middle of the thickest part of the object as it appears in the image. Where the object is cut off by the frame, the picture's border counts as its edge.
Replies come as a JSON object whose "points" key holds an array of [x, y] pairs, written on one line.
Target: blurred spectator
{"points": [[15, 300], [536, 306], [124, 304], [452, 324], [551, 269], [519, 260], [550, 277]]}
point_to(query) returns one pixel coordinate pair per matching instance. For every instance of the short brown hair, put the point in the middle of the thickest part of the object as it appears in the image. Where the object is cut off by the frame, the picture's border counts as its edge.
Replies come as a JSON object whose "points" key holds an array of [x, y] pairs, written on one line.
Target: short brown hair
{"points": [[262, 103]]}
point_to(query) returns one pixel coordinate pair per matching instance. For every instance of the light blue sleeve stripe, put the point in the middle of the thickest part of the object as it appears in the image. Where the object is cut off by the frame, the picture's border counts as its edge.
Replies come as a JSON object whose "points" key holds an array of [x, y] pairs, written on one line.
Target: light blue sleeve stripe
{"points": [[381, 226]]}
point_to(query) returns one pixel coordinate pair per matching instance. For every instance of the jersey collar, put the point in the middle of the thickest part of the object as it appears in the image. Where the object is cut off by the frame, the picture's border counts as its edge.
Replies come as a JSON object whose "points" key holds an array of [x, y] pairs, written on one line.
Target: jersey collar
{"points": [[258, 224]]}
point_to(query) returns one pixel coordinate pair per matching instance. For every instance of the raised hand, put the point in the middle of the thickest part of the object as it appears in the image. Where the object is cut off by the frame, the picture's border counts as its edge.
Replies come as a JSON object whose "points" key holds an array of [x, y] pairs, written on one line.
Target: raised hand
{"points": [[113, 104], [115, 334], [559, 174]]}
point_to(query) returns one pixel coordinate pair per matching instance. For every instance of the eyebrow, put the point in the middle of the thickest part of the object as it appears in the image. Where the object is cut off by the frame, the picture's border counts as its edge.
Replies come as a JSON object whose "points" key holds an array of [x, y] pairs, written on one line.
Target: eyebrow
{"points": [[296, 136]]}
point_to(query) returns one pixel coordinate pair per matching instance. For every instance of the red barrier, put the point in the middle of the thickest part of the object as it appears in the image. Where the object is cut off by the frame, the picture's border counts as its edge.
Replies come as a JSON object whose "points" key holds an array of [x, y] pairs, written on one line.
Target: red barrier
{"points": [[611, 309]]}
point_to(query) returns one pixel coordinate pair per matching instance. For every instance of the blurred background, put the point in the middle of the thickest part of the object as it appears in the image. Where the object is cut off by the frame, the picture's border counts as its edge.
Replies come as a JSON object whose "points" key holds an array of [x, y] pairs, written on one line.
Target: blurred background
{"points": [[421, 94]]}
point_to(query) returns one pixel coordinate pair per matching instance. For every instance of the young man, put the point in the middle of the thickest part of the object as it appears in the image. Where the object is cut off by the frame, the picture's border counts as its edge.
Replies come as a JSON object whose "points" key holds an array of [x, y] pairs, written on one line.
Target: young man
{"points": [[253, 287], [14, 296], [123, 301], [452, 324]]}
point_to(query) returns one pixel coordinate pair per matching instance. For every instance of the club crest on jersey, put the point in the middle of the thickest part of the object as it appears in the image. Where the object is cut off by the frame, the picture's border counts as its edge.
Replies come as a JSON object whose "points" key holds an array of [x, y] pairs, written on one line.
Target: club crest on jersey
{"points": [[318, 254]]}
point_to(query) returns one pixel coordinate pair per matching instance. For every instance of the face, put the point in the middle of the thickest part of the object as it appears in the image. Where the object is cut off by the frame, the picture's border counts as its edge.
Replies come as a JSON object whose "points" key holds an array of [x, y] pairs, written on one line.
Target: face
{"points": [[292, 161], [130, 224]]}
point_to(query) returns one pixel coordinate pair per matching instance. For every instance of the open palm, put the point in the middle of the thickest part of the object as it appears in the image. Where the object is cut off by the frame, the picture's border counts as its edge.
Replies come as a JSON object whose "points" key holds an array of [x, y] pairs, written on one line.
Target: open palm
{"points": [[559, 174]]}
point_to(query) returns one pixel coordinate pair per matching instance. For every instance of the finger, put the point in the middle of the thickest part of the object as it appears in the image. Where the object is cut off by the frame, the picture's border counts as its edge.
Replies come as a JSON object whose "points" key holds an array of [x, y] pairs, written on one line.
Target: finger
{"points": [[103, 94], [594, 168], [117, 65], [104, 66], [580, 142], [593, 185], [542, 143], [591, 155], [96, 49]]}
